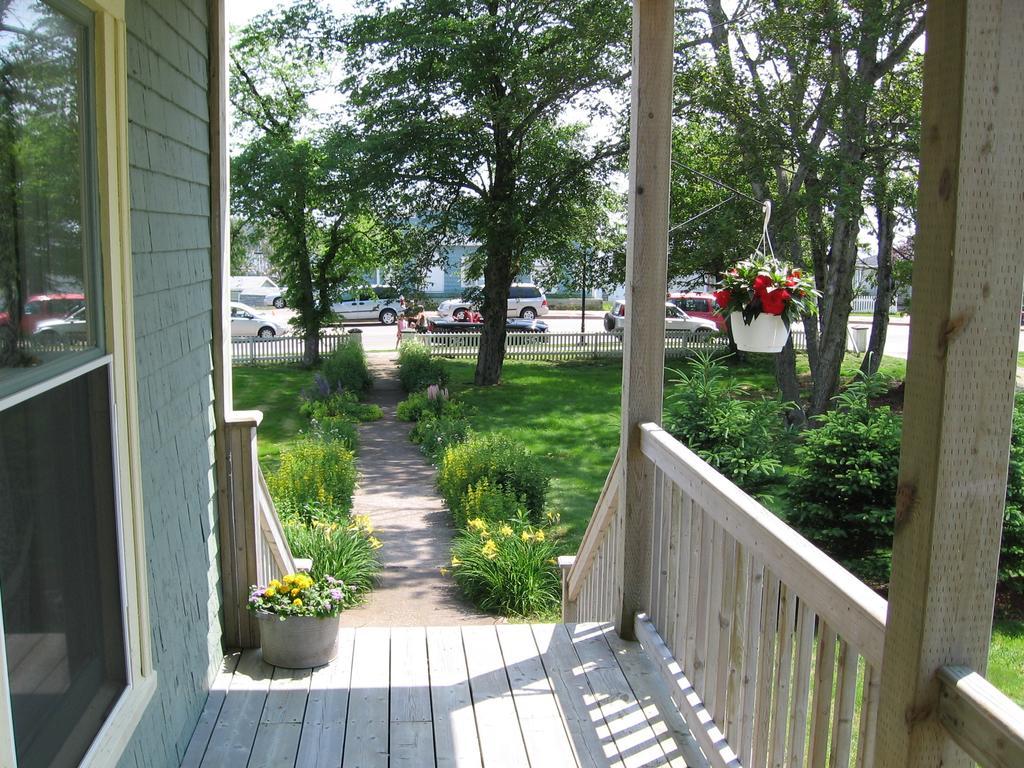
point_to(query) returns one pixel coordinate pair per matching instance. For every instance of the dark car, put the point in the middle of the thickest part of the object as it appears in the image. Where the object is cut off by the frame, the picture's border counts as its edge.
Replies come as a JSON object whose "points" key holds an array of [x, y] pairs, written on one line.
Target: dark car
{"points": [[517, 324]]}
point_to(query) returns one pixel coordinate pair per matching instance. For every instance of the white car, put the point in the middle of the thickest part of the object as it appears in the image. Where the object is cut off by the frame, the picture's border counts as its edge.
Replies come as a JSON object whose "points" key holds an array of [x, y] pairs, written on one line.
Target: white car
{"points": [[379, 303], [675, 320], [524, 300], [259, 290], [246, 321]]}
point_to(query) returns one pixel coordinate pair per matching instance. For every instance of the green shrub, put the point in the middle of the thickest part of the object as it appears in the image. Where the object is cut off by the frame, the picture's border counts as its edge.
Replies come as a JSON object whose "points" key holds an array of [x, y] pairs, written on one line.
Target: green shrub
{"points": [[417, 370], [341, 405], [432, 402], [489, 502], [344, 550], [844, 488], [415, 405], [336, 429], [435, 435], [508, 568], [1011, 559], [345, 368], [315, 471], [500, 460], [709, 412]]}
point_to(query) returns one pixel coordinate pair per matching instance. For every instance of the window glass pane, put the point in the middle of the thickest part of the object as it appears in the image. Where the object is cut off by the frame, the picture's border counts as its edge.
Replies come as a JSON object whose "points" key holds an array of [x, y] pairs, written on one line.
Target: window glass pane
{"points": [[49, 309], [59, 573]]}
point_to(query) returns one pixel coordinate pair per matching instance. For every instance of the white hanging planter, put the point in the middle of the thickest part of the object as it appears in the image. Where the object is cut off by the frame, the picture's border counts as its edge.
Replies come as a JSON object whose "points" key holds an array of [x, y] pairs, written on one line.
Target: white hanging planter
{"points": [[766, 333]]}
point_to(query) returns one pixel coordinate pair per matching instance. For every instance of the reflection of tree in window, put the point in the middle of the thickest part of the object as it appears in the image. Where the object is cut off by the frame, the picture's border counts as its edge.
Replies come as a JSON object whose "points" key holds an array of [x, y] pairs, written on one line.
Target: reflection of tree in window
{"points": [[42, 244]]}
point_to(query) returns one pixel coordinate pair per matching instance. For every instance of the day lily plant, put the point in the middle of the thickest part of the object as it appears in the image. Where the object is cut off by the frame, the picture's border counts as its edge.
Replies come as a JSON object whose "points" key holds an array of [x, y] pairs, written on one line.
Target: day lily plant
{"points": [[299, 594], [761, 284]]}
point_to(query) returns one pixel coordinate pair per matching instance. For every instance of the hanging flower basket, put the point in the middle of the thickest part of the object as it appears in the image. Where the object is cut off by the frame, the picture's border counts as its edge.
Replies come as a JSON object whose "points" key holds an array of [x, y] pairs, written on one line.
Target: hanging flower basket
{"points": [[299, 617], [763, 297], [765, 333]]}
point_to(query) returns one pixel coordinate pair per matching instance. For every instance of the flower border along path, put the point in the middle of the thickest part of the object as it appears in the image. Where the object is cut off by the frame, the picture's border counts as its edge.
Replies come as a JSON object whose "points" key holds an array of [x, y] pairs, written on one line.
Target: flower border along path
{"points": [[396, 490]]}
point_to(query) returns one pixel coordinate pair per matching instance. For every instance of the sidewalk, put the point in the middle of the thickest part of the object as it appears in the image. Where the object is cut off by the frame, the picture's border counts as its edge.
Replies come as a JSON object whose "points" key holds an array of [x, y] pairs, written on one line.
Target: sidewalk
{"points": [[396, 490]]}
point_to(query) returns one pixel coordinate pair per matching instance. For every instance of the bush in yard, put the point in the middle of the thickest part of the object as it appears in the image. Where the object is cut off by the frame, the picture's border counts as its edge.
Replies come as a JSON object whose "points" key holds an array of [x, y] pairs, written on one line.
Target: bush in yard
{"points": [[489, 502], [346, 369], [1011, 560], [417, 370], [315, 471], [844, 488], [431, 402], [434, 435], [709, 412], [344, 550], [341, 405], [336, 429], [503, 463], [509, 568]]}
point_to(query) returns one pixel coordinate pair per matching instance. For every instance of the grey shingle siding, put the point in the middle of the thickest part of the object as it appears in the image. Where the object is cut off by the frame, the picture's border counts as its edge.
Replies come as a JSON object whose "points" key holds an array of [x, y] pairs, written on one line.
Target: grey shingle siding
{"points": [[170, 227]]}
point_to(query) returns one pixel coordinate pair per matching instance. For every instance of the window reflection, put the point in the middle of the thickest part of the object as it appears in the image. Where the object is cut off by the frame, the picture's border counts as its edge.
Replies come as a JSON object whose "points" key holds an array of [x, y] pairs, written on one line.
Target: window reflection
{"points": [[47, 234]]}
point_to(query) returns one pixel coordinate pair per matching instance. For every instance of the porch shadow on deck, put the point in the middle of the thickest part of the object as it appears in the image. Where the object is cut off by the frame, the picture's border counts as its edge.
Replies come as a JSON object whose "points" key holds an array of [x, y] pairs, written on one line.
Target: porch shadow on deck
{"points": [[508, 695]]}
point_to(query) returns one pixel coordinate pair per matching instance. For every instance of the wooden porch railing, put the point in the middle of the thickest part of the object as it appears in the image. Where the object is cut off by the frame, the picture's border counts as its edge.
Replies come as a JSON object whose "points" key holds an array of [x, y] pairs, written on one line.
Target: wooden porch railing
{"points": [[766, 643], [253, 545], [771, 649]]}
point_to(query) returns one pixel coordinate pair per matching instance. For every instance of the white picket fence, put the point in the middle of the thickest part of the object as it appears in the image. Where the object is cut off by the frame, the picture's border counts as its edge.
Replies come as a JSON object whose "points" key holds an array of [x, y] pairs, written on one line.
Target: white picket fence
{"points": [[867, 304], [564, 346], [251, 350]]}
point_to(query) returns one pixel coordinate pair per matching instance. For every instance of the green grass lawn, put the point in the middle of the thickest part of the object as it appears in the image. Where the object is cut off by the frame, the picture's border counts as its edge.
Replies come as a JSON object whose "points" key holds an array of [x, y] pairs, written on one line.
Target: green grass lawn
{"points": [[1020, 359], [1006, 659], [275, 391]]}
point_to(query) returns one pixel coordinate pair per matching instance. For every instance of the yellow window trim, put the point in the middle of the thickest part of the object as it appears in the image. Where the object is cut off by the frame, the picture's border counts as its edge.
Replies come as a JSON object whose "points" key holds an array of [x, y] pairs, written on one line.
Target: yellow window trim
{"points": [[115, 237]]}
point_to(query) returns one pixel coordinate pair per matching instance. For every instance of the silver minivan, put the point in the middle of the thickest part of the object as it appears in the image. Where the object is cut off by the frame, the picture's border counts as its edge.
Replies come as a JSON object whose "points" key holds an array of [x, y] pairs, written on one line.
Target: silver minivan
{"points": [[525, 300], [378, 303]]}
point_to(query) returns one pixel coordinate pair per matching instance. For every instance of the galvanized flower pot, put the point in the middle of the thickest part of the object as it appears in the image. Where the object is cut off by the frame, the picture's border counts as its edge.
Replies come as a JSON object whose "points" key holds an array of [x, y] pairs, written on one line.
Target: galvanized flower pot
{"points": [[767, 333], [298, 642]]}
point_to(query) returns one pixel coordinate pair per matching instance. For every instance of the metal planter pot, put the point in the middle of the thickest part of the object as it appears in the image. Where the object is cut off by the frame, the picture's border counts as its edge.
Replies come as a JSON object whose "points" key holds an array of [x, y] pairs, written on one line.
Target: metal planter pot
{"points": [[298, 642]]}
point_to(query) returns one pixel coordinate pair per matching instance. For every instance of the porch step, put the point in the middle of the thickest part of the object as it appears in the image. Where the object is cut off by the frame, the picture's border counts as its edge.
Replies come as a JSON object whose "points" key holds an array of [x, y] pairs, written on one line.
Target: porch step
{"points": [[508, 695]]}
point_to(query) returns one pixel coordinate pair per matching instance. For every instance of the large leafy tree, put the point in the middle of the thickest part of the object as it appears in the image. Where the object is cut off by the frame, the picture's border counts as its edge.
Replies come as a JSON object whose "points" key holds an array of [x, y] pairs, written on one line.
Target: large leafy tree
{"points": [[464, 104], [298, 177], [796, 81]]}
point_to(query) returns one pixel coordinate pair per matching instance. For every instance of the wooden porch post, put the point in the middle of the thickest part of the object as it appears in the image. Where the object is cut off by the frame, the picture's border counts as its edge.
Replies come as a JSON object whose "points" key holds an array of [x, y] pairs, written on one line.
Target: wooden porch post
{"points": [[968, 274], [643, 360], [220, 258]]}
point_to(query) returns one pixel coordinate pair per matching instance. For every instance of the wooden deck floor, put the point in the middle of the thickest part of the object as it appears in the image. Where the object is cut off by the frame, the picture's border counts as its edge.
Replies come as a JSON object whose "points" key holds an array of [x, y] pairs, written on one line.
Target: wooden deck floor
{"points": [[512, 695]]}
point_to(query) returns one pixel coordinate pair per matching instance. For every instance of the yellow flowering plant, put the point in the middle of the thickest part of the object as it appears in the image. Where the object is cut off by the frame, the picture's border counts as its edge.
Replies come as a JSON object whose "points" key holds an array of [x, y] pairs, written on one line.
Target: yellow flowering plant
{"points": [[508, 567], [299, 594]]}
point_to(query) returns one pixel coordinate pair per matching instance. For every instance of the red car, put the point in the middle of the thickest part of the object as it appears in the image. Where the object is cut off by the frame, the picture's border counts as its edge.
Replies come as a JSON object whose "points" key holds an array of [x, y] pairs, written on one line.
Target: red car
{"points": [[698, 305], [45, 306]]}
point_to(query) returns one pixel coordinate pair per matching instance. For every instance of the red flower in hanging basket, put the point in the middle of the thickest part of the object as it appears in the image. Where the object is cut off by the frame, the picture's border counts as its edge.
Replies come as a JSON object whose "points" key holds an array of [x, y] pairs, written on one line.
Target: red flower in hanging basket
{"points": [[761, 284], [774, 302]]}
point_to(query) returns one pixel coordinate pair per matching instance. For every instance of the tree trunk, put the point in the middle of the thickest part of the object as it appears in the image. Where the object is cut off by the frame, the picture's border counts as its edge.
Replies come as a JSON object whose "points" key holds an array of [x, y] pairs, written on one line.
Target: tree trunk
{"points": [[883, 294], [497, 282]]}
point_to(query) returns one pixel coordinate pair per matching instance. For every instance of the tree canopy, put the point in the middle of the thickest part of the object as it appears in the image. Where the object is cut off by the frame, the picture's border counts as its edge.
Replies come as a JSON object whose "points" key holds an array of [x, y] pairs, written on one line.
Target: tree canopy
{"points": [[478, 112]]}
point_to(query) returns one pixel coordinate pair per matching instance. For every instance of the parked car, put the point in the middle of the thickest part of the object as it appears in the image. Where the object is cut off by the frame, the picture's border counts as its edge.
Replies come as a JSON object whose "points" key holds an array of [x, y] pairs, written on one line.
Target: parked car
{"points": [[45, 306], [381, 303], [675, 320], [63, 330], [698, 305], [517, 324], [246, 321], [258, 290], [524, 300]]}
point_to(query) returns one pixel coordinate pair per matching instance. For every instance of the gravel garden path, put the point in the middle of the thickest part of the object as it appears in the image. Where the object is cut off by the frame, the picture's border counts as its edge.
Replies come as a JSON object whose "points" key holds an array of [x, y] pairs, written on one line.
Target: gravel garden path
{"points": [[396, 489]]}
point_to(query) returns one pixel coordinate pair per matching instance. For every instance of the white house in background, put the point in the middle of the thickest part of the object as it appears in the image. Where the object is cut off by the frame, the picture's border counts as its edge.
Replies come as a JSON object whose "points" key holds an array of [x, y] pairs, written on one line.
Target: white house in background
{"points": [[257, 291]]}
